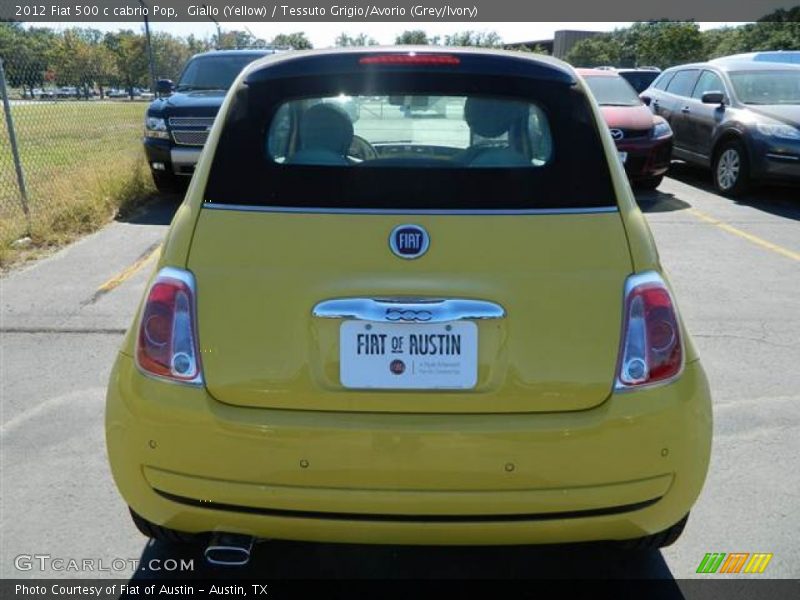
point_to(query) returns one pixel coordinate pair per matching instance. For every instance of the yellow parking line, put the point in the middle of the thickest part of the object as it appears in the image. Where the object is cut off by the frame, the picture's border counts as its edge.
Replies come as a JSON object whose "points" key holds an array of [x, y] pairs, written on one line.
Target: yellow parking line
{"points": [[130, 270], [748, 236]]}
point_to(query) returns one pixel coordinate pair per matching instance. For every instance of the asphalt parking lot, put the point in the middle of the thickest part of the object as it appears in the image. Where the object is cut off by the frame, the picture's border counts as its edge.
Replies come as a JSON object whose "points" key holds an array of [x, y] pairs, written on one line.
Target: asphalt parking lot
{"points": [[736, 269]]}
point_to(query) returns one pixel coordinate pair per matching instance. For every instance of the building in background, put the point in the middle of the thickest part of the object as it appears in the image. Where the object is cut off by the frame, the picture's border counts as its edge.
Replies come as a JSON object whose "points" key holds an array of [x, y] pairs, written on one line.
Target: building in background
{"points": [[562, 41]]}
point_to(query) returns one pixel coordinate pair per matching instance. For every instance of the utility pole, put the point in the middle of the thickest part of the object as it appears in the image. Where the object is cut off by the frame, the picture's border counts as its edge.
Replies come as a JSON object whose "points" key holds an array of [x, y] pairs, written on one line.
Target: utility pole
{"points": [[219, 31], [149, 47]]}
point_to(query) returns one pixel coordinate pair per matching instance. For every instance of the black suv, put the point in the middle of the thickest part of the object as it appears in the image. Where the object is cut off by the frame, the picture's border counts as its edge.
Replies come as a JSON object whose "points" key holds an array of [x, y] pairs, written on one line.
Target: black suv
{"points": [[177, 124], [739, 117]]}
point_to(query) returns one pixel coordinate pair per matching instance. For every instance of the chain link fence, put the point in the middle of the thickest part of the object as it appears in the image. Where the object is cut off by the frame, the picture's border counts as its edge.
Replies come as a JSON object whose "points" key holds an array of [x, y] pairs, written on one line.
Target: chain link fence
{"points": [[70, 152]]}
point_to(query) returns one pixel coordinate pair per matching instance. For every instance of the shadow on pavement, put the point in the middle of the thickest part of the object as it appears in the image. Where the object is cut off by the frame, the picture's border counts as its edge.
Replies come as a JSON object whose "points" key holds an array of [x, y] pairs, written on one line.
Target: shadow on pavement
{"points": [[655, 201], [301, 560], [157, 209], [782, 201]]}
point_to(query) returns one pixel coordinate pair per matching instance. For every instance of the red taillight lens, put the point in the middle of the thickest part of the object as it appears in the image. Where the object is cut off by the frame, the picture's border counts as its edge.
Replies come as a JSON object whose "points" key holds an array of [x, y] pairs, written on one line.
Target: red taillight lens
{"points": [[651, 341], [410, 59], [167, 344]]}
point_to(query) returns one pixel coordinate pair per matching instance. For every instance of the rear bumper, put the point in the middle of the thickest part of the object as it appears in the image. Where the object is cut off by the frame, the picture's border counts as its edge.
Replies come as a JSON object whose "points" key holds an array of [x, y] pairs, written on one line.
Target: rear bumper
{"points": [[630, 467]]}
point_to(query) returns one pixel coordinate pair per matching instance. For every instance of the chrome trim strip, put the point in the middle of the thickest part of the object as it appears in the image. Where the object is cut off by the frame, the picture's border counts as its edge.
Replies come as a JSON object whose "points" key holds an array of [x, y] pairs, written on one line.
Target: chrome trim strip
{"points": [[416, 212], [788, 157], [191, 121], [408, 310]]}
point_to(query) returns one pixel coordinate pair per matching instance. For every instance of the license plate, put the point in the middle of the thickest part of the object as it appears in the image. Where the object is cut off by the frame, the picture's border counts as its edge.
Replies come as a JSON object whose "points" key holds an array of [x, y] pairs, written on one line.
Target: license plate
{"points": [[408, 355], [623, 156]]}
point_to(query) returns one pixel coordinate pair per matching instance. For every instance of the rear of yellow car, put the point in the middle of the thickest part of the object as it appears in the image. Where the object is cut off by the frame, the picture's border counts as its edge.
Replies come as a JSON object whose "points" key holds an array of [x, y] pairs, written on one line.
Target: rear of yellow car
{"points": [[438, 325]]}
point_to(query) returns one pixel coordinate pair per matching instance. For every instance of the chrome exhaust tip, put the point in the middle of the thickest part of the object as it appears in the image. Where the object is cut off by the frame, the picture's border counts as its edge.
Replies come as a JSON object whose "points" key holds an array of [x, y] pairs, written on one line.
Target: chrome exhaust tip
{"points": [[229, 549]]}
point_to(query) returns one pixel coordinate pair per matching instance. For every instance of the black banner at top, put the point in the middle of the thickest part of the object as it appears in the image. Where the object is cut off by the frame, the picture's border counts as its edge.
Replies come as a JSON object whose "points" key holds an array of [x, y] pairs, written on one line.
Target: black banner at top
{"points": [[422, 11]]}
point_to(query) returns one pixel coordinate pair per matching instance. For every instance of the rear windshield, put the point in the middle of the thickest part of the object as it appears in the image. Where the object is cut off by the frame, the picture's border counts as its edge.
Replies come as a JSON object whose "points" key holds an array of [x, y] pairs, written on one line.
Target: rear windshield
{"points": [[410, 141], [435, 132], [213, 72]]}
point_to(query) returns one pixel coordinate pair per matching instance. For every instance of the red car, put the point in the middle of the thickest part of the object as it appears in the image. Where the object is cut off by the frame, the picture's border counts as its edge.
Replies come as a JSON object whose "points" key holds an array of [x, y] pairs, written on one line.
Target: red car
{"points": [[644, 140]]}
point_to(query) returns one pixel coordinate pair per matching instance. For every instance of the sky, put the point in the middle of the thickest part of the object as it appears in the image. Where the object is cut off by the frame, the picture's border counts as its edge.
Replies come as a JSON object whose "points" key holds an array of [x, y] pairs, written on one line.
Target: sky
{"points": [[322, 35]]}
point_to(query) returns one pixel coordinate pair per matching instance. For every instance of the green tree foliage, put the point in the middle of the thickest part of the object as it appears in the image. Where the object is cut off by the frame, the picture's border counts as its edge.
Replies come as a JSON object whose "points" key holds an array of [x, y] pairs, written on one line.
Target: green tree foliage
{"points": [[83, 57], [130, 55], [236, 39], [26, 54], [415, 37], [170, 54], [482, 39], [596, 51], [668, 43], [536, 49], [295, 41], [344, 40]]}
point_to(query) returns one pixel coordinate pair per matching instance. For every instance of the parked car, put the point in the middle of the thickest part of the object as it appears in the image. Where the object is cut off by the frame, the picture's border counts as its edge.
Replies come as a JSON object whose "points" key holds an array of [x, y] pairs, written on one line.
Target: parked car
{"points": [[405, 330], [67, 92], [641, 78], [177, 125], [644, 141], [44, 93], [741, 118]]}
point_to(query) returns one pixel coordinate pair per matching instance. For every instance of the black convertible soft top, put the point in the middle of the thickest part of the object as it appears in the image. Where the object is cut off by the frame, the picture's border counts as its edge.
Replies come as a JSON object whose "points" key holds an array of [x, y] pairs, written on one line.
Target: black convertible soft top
{"points": [[243, 174]]}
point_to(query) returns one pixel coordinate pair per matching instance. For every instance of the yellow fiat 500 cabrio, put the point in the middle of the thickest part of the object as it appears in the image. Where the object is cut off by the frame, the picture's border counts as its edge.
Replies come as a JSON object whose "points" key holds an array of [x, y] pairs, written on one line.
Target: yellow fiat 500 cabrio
{"points": [[408, 298]]}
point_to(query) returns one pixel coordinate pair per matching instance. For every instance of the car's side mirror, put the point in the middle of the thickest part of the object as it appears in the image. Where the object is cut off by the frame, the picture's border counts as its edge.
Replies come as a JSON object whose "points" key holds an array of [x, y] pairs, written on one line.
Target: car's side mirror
{"points": [[165, 87], [646, 99], [713, 98]]}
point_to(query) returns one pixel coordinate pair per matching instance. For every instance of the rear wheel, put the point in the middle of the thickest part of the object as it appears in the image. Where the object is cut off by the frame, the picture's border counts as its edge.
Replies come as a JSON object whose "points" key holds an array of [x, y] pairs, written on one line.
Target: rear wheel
{"points": [[731, 169], [658, 540], [650, 183], [163, 534]]}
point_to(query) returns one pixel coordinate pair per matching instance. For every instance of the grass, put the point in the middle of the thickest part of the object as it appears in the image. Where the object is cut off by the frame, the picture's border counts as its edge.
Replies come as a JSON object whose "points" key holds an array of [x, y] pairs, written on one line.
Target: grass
{"points": [[83, 165]]}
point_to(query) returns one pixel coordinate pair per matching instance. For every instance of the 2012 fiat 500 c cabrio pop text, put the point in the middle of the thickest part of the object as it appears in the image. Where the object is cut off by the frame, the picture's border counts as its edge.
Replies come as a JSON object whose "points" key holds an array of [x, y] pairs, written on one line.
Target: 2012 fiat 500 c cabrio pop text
{"points": [[443, 322]]}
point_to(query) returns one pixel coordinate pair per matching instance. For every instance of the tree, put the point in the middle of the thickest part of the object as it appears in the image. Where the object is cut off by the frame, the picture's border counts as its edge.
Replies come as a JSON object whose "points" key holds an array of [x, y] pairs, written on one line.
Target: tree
{"points": [[72, 60], [415, 37], [483, 39], [239, 39], [782, 16], [362, 39], [130, 54], [196, 46], [170, 54], [535, 49], [595, 51], [723, 41], [26, 54], [295, 41], [664, 43]]}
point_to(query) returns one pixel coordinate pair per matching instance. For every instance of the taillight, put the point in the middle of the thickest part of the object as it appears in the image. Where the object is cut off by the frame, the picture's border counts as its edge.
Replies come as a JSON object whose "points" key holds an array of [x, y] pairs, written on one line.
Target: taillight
{"points": [[411, 58], [167, 342], [652, 349]]}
